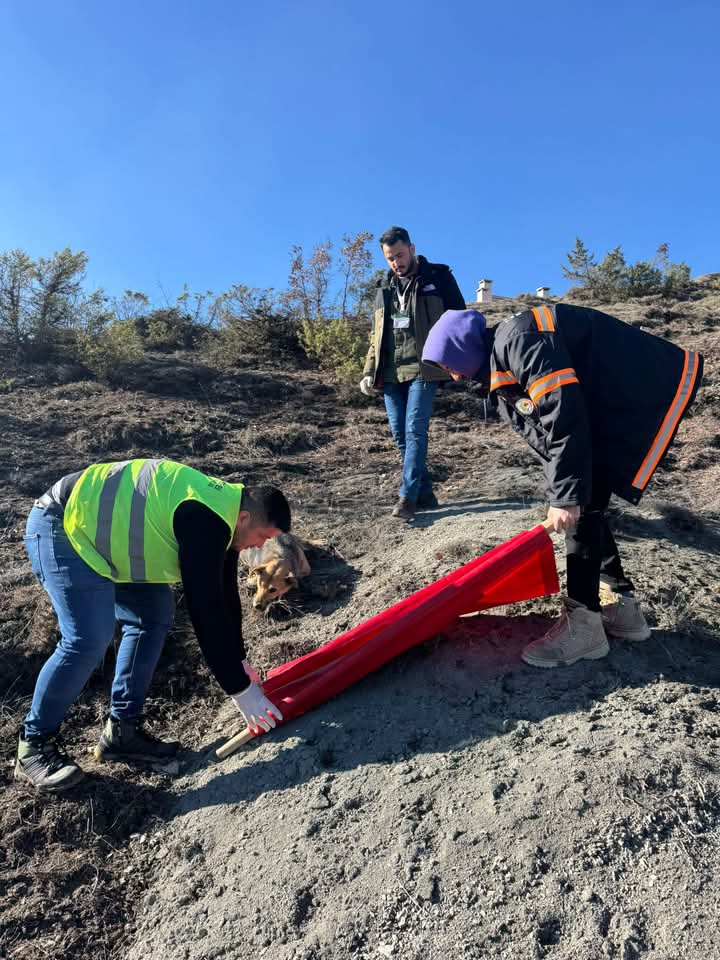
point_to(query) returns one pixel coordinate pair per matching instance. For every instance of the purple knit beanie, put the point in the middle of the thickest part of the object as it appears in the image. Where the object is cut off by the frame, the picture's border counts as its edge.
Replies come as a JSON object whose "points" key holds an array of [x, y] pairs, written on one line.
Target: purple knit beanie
{"points": [[457, 341]]}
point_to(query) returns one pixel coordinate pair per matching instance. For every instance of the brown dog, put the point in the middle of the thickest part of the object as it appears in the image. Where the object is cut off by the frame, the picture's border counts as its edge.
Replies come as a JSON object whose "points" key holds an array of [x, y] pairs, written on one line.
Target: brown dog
{"points": [[275, 568]]}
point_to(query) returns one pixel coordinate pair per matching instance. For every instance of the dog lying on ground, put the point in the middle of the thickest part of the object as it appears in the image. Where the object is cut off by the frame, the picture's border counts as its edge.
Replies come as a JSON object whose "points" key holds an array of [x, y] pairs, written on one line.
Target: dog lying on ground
{"points": [[275, 568]]}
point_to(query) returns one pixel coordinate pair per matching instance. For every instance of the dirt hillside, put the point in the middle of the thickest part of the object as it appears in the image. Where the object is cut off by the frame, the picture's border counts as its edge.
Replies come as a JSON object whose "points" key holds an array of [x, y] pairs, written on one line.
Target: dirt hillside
{"points": [[457, 803]]}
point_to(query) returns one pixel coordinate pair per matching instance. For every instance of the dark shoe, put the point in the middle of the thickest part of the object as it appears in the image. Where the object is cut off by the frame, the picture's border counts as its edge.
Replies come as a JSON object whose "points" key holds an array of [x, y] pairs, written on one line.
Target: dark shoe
{"points": [[126, 740], [43, 762], [427, 501], [404, 509]]}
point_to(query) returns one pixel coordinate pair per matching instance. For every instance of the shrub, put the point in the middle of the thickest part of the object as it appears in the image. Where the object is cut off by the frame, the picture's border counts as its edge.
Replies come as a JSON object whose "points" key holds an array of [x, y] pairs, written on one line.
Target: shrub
{"points": [[250, 324], [169, 329], [108, 352], [334, 345]]}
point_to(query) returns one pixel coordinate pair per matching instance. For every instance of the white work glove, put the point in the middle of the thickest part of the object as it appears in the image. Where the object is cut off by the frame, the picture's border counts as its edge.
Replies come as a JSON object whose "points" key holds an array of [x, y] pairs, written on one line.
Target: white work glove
{"points": [[258, 711], [366, 386]]}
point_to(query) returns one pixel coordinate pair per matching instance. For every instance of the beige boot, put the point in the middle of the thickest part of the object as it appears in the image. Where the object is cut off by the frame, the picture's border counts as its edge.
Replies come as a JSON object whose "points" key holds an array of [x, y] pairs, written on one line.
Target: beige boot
{"points": [[622, 616], [577, 635]]}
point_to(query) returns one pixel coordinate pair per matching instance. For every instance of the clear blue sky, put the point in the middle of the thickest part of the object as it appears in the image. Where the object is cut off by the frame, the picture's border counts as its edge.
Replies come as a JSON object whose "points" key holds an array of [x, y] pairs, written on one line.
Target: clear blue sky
{"points": [[194, 142]]}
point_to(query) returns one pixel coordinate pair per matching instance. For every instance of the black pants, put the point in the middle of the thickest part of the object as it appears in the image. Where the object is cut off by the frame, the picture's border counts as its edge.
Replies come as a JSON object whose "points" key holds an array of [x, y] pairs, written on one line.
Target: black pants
{"points": [[591, 551]]}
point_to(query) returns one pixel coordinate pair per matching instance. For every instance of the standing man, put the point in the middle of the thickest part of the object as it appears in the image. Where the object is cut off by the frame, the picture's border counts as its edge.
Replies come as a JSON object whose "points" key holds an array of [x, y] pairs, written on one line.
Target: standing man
{"points": [[105, 543], [599, 402], [409, 300]]}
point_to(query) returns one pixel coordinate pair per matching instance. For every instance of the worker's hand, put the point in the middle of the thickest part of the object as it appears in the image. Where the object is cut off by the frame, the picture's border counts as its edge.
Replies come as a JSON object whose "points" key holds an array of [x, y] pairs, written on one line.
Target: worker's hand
{"points": [[563, 518], [366, 386], [259, 712]]}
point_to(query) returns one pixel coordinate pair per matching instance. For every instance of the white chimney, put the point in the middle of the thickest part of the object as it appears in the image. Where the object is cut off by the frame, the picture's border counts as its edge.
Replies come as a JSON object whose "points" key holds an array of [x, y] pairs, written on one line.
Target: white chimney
{"points": [[484, 291], [543, 292]]}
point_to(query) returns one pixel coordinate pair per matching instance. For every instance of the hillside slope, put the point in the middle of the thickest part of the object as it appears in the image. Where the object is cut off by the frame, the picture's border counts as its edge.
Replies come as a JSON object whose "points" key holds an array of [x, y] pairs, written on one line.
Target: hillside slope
{"points": [[458, 803]]}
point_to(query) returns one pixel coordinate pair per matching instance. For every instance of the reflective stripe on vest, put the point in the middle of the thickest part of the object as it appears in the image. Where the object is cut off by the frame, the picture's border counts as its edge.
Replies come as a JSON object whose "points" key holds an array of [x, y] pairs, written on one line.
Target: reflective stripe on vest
{"points": [[106, 505], [544, 319], [551, 381], [669, 424], [503, 378]]}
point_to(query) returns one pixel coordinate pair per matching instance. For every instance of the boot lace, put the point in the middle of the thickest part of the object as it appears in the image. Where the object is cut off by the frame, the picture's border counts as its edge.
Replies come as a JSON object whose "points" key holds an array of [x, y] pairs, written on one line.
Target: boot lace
{"points": [[53, 752]]}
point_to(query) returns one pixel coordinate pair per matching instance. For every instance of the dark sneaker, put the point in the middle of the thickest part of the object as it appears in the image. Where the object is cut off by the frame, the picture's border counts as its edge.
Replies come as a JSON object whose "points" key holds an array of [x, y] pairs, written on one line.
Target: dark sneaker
{"points": [[427, 501], [404, 509], [43, 762], [126, 740]]}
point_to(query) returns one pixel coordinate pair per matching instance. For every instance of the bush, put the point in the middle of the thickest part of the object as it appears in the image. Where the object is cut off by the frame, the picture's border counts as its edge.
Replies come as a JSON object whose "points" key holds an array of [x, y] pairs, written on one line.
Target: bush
{"points": [[334, 345], [169, 329], [108, 352], [250, 325]]}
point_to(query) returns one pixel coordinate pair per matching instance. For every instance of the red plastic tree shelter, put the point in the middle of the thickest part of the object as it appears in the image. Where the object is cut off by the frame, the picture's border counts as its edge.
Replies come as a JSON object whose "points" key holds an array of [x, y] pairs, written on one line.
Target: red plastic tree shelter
{"points": [[520, 569]]}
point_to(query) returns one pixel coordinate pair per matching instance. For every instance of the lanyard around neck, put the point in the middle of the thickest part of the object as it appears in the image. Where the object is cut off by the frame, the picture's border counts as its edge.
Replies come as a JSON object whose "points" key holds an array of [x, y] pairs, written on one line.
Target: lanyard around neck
{"points": [[404, 295]]}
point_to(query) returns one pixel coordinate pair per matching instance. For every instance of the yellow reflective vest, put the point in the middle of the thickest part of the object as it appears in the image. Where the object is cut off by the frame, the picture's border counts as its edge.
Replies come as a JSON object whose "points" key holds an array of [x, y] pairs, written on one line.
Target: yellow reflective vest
{"points": [[119, 516]]}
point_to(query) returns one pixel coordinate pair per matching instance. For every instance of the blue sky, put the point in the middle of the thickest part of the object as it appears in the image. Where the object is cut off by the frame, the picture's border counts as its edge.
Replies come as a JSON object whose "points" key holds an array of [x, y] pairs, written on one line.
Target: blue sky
{"points": [[196, 142]]}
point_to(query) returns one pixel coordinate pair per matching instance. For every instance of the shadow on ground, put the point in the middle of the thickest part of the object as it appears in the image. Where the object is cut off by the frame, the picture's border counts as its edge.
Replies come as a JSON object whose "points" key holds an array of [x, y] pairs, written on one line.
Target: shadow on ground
{"points": [[439, 697]]}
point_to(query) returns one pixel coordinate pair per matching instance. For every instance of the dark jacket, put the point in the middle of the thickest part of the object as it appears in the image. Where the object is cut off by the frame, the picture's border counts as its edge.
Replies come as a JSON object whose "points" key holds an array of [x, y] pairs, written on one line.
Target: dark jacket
{"points": [[435, 292], [584, 388]]}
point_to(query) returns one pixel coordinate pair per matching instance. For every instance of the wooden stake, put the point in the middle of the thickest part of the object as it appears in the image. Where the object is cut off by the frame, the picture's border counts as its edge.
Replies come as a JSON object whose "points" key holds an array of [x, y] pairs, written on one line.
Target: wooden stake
{"points": [[233, 744]]}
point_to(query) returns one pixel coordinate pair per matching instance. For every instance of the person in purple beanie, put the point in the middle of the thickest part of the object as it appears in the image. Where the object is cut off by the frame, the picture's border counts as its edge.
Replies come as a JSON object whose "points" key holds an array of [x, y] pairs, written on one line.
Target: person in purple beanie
{"points": [[599, 402]]}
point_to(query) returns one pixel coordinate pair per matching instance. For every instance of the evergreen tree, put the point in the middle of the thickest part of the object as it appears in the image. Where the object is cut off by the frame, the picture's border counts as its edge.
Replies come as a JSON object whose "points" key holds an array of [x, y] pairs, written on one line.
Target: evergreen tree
{"points": [[581, 265]]}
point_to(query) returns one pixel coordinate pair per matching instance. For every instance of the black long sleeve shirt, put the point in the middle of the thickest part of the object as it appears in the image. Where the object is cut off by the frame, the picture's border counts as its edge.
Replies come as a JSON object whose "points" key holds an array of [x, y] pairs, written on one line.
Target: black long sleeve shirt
{"points": [[209, 578]]}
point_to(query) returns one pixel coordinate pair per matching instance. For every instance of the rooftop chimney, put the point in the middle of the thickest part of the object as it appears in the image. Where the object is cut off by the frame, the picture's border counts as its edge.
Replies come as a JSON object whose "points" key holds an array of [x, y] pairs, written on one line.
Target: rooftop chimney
{"points": [[484, 291]]}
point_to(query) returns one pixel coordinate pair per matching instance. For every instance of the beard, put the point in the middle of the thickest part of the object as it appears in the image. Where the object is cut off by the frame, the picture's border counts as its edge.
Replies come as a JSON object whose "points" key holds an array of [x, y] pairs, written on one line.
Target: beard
{"points": [[408, 270]]}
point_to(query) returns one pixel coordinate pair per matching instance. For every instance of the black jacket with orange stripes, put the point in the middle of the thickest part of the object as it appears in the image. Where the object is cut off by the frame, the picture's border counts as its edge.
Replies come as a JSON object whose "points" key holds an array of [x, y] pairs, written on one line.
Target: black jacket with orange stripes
{"points": [[585, 389]]}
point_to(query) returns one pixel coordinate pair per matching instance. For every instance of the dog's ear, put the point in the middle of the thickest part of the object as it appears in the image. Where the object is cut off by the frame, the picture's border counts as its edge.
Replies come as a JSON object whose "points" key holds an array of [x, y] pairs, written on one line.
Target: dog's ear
{"points": [[290, 579], [257, 570], [304, 565]]}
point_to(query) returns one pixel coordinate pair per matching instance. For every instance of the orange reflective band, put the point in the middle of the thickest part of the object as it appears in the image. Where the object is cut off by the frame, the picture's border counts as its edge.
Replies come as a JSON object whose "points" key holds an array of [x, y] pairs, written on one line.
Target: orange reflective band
{"points": [[503, 378], [551, 381], [672, 418], [543, 319], [550, 320]]}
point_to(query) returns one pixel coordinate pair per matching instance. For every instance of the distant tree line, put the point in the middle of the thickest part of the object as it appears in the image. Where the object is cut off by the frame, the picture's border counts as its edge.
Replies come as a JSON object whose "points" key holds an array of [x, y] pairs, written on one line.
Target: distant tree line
{"points": [[616, 279], [322, 316]]}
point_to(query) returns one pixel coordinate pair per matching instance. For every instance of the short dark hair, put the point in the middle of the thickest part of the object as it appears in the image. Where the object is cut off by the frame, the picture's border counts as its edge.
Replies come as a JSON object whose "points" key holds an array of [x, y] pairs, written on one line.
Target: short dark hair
{"points": [[394, 235], [269, 505]]}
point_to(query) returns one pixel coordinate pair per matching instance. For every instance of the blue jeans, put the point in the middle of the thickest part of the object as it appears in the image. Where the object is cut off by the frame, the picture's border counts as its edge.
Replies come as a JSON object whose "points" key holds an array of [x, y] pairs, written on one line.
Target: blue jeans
{"points": [[87, 607], [409, 407]]}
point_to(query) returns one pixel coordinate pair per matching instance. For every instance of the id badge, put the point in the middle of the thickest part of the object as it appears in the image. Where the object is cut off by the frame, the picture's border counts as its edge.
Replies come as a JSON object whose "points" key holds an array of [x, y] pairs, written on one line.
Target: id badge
{"points": [[401, 321]]}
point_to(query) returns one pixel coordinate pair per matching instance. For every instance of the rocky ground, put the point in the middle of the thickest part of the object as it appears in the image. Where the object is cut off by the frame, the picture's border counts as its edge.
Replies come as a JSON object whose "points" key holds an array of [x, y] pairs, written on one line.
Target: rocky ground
{"points": [[455, 804]]}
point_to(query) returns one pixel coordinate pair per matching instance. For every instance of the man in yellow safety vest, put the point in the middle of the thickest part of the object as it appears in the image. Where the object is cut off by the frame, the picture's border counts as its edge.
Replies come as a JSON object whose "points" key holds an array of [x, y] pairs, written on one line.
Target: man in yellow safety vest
{"points": [[106, 543]]}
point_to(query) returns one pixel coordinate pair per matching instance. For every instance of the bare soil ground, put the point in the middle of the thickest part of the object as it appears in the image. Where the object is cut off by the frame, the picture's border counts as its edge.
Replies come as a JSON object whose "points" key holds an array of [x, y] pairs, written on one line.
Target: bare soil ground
{"points": [[457, 803]]}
